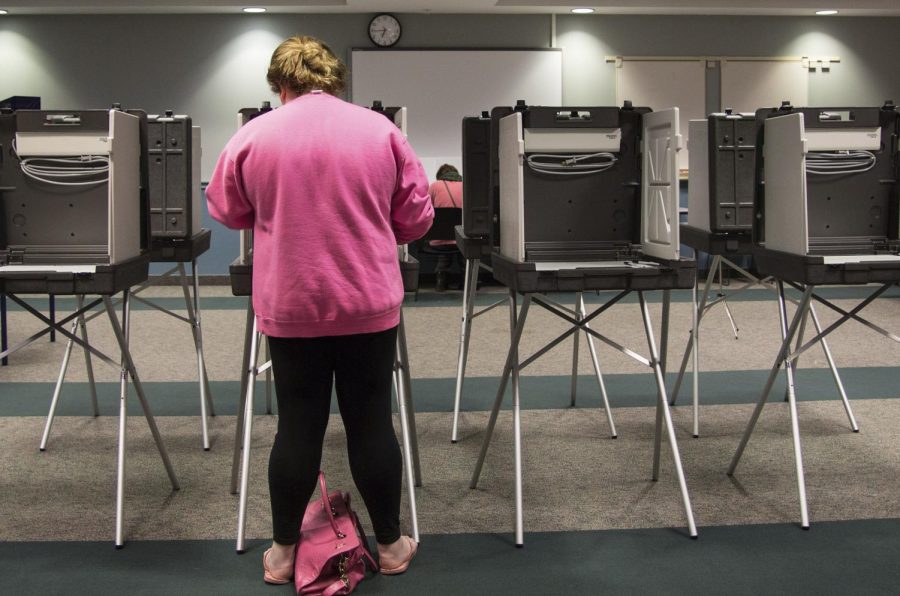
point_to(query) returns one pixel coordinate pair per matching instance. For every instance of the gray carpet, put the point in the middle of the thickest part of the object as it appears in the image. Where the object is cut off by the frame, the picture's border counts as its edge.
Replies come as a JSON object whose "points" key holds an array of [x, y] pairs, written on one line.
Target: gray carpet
{"points": [[576, 477]]}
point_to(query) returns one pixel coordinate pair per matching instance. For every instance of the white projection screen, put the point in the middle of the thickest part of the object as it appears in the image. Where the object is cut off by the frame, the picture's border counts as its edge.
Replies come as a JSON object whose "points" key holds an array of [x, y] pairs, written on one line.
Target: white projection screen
{"points": [[751, 84], [661, 84], [440, 87]]}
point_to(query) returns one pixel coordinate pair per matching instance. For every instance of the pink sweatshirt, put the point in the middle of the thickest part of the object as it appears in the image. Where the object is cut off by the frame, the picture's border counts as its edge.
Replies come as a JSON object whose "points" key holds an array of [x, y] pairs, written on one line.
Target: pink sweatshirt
{"points": [[330, 189]]}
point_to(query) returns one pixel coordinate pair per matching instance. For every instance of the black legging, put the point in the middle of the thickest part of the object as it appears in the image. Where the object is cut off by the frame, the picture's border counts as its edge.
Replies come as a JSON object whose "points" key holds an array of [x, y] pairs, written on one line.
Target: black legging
{"points": [[361, 366]]}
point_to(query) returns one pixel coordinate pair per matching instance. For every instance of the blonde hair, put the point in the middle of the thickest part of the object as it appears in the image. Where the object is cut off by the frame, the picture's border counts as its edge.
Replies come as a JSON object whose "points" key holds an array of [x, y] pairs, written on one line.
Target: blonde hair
{"points": [[303, 63]]}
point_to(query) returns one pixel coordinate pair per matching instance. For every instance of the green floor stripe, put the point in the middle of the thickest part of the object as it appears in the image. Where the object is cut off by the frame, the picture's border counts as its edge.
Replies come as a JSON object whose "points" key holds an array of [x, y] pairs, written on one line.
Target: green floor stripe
{"points": [[436, 395], [429, 298], [849, 557]]}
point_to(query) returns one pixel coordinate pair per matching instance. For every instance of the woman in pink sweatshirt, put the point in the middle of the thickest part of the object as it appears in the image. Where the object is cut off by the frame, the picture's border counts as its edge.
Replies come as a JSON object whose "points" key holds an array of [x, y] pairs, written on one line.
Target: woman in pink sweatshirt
{"points": [[330, 189]]}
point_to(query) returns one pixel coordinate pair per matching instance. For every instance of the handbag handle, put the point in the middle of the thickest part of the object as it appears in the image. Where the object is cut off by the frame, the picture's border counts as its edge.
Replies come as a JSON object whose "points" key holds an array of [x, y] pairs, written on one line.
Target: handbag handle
{"points": [[326, 504]]}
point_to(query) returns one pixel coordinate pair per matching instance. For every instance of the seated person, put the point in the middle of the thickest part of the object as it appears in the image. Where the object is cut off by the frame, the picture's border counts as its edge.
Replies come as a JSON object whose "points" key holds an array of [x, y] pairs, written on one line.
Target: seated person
{"points": [[445, 191]]}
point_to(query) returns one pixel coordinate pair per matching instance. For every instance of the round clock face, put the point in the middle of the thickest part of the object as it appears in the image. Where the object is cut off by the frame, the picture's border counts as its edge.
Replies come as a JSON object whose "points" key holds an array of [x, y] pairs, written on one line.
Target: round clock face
{"points": [[384, 30]]}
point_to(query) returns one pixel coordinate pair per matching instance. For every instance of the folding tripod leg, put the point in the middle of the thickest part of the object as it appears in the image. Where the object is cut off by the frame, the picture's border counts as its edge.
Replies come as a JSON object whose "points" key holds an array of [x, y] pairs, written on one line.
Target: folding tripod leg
{"points": [[834, 371], [54, 401], [596, 362], [246, 365], [504, 378], [790, 371], [193, 310], [128, 368], [469, 290], [87, 356], [695, 353], [408, 458], [575, 337], [406, 381], [3, 339], [663, 410], [196, 279], [517, 423], [248, 433], [268, 380], [780, 359], [693, 346]]}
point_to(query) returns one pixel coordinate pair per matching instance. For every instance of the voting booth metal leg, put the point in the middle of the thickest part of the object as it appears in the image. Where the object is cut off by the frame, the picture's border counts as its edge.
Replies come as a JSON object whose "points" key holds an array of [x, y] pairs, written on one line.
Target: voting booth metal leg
{"points": [[596, 362], [3, 339], [192, 305], [470, 285], [692, 351], [839, 385], [693, 348], [123, 418], [89, 367], [128, 369], [510, 369], [473, 267], [407, 426], [196, 279], [663, 408], [76, 324], [513, 365], [406, 380], [193, 309], [694, 340], [783, 357], [252, 371], [268, 357], [724, 298], [664, 330], [575, 337], [695, 372], [51, 300], [834, 372], [517, 423], [246, 365]]}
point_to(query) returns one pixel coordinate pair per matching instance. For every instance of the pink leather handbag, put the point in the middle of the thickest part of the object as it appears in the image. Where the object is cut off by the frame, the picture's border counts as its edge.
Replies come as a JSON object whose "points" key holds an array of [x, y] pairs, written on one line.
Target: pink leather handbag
{"points": [[332, 554]]}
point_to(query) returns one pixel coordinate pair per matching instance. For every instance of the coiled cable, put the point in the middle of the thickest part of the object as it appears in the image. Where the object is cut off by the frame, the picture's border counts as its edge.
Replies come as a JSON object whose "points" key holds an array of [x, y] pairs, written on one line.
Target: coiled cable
{"points": [[835, 163], [571, 165], [66, 171]]}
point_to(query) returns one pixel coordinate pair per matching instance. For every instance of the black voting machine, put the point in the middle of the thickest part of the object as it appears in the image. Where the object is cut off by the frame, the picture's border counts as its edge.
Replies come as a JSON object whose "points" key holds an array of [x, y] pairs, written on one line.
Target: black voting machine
{"points": [[827, 201], [170, 229], [721, 192], [91, 165], [576, 199], [821, 214], [834, 171]]}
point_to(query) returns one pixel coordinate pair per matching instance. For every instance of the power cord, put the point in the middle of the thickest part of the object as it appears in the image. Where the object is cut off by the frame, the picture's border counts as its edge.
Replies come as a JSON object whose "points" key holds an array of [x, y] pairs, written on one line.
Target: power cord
{"points": [[65, 171], [571, 165], [835, 163]]}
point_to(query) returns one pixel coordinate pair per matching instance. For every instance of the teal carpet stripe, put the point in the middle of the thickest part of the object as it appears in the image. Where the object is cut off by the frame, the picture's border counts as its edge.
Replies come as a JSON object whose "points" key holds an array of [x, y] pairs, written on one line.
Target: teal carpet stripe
{"points": [[839, 558], [436, 395], [430, 298]]}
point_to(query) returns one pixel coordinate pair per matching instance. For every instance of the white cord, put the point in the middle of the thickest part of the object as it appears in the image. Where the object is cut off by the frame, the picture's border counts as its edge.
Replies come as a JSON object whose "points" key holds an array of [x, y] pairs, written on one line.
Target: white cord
{"points": [[68, 173], [570, 165], [835, 163]]}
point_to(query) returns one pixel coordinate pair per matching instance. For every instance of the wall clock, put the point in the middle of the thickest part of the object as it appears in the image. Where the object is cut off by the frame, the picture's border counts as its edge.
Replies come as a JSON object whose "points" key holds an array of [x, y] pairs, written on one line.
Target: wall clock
{"points": [[384, 30]]}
